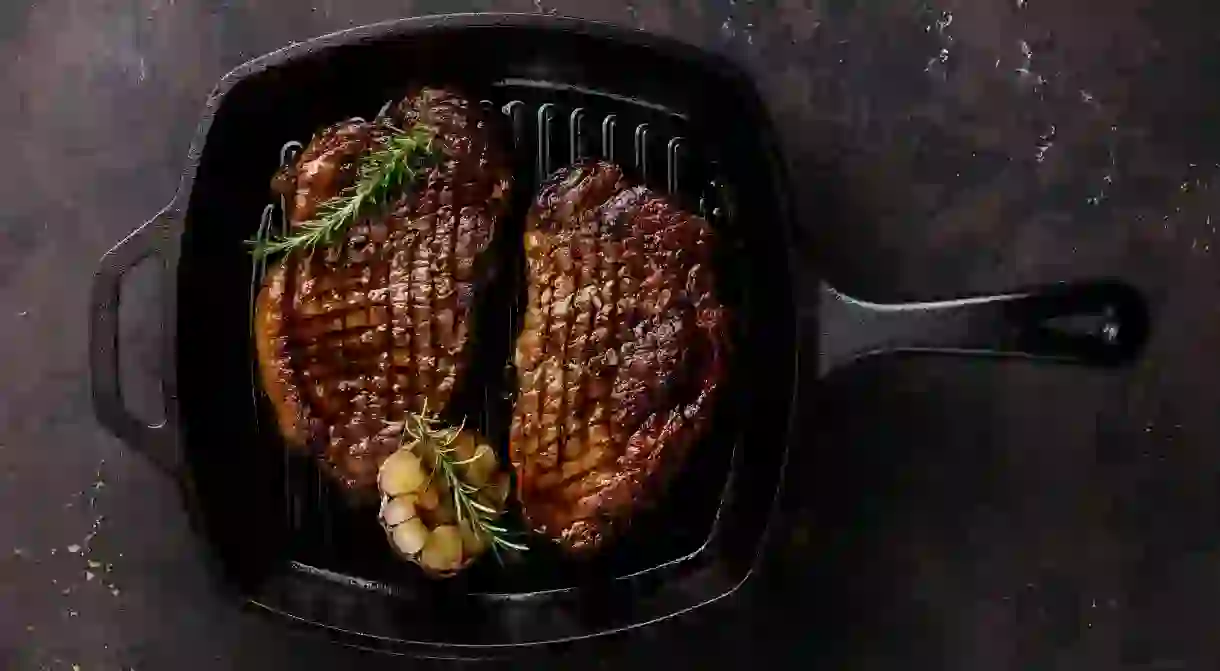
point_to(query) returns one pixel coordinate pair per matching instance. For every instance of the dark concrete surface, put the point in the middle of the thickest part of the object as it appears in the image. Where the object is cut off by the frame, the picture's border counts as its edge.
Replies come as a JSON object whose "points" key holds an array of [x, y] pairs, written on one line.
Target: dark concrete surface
{"points": [[942, 513]]}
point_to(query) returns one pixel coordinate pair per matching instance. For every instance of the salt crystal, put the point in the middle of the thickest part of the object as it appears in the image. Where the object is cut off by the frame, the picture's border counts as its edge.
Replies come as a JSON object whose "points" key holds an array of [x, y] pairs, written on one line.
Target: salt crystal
{"points": [[74, 548]]}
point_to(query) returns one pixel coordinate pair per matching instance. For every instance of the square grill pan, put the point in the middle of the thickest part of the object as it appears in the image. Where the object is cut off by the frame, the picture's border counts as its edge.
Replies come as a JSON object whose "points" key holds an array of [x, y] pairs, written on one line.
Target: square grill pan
{"points": [[681, 120]]}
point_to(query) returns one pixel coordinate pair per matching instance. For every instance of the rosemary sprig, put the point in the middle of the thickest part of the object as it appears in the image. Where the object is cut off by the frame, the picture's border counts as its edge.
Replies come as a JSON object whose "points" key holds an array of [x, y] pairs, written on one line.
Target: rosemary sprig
{"points": [[402, 158], [424, 428]]}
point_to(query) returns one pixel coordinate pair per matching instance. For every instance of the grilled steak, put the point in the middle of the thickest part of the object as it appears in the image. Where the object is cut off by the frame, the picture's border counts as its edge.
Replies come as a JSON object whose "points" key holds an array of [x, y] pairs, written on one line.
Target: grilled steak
{"points": [[351, 337], [621, 353]]}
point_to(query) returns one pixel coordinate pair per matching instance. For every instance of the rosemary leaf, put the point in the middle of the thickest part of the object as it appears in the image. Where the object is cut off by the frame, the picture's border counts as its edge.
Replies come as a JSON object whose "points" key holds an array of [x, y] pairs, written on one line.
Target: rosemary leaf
{"points": [[402, 158], [422, 428]]}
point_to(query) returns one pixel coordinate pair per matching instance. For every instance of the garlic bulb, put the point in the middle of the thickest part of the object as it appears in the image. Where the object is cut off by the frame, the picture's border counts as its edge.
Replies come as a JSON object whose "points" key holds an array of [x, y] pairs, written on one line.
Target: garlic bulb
{"points": [[419, 509]]}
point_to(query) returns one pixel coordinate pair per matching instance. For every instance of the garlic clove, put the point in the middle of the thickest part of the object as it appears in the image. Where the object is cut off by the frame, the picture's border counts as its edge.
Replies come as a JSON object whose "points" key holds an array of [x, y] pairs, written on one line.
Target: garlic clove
{"points": [[473, 543], [401, 473], [495, 493], [411, 536], [443, 549], [397, 510], [484, 465]]}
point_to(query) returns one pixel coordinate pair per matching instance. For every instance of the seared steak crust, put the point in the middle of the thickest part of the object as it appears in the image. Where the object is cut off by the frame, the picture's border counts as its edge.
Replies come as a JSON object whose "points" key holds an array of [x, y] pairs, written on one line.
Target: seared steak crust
{"points": [[620, 356], [351, 337]]}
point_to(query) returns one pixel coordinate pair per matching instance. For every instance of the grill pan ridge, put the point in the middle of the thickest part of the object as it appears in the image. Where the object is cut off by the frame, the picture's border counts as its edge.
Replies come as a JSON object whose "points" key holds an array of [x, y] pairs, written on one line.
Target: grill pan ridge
{"points": [[684, 121]]}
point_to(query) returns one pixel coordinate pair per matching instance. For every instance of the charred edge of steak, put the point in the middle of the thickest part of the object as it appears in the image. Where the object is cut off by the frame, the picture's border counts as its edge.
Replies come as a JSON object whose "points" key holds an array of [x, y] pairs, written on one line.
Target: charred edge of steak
{"points": [[620, 356], [351, 338]]}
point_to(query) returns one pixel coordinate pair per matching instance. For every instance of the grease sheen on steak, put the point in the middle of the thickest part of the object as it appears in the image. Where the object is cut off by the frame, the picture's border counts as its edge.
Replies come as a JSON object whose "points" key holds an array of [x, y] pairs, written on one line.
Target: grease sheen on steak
{"points": [[621, 352], [352, 337]]}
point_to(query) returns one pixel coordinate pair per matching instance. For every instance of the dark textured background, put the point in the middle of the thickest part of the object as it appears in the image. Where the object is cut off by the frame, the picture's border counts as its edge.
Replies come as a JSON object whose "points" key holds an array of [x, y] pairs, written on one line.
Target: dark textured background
{"points": [[942, 513]]}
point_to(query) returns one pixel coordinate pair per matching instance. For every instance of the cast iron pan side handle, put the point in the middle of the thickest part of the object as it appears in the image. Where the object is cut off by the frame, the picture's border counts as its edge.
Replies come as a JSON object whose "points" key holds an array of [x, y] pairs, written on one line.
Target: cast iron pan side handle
{"points": [[1100, 323], [154, 441]]}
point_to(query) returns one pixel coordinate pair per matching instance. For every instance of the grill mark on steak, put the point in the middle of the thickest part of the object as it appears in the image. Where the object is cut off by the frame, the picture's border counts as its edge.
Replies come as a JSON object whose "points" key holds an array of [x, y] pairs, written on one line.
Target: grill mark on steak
{"points": [[352, 337], [620, 356], [584, 260]]}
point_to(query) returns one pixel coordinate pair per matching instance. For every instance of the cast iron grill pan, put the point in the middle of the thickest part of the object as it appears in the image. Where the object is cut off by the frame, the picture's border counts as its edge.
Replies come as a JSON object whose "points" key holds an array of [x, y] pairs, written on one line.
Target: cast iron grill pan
{"points": [[685, 122]]}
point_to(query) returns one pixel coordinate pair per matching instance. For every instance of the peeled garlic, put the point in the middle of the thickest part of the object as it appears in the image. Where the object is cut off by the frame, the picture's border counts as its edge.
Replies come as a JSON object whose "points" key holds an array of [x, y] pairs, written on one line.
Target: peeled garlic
{"points": [[401, 473], [417, 505], [398, 510], [473, 542], [411, 536], [495, 493], [483, 466], [443, 550]]}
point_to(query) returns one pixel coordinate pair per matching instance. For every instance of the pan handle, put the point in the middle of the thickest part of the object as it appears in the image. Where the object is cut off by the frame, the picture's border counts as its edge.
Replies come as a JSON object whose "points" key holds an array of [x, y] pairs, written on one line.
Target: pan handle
{"points": [[154, 441], [1101, 323]]}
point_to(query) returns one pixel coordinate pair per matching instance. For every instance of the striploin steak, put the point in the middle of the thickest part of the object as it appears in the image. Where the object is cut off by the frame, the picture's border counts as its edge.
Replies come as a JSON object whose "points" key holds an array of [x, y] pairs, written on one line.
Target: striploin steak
{"points": [[351, 337], [621, 353]]}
